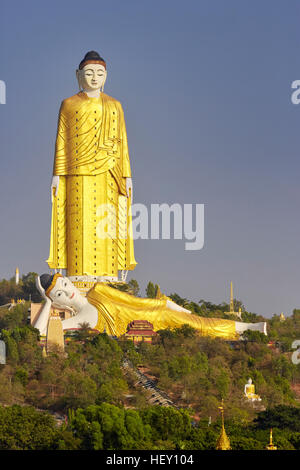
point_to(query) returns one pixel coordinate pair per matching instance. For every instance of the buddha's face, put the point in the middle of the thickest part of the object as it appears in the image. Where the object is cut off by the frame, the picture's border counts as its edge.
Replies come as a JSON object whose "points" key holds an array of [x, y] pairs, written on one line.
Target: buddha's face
{"points": [[92, 77], [65, 294]]}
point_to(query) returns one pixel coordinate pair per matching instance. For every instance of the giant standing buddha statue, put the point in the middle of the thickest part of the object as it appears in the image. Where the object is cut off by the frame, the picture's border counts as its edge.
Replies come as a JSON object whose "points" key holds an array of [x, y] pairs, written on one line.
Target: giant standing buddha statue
{"points": [[91, 190]]}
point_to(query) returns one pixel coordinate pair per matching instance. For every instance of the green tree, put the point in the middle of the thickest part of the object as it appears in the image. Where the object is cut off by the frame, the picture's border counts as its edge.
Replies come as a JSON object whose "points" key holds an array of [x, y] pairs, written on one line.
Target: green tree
{"points": [[150, 290], [11, 346], [281, 417], [134, 286], [29, 289], [15, 317], [167, 422], [179, 300], [255, 336], [109, 427], [9, 290], [79, 389], [24, 428], [83, 333]]}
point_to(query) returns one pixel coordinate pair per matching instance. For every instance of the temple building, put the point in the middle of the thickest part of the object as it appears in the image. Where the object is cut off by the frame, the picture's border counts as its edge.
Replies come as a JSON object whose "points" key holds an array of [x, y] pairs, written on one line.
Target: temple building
{"points": [[140, 331]]}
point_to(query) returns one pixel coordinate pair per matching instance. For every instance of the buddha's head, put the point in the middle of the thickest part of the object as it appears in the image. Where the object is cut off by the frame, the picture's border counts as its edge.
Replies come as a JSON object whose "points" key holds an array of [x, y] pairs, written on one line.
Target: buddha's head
{"points": [[91, 73], [60, 291], [249, 381]]}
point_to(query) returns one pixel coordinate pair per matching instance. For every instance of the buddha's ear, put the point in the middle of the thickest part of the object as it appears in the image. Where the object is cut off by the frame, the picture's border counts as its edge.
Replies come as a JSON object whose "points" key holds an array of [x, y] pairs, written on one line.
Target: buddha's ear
{"points": [[105, 77], [78, 78]]}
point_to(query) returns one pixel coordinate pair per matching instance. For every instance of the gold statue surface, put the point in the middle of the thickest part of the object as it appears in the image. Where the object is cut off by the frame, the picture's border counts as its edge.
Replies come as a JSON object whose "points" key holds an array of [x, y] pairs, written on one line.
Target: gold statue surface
{"points": [[116, 309], [108, 309], [91, 232]]}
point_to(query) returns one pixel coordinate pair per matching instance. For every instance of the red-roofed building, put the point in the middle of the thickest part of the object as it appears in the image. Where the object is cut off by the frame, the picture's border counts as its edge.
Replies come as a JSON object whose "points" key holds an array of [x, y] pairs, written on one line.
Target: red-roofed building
{"points": [[139, 331]]}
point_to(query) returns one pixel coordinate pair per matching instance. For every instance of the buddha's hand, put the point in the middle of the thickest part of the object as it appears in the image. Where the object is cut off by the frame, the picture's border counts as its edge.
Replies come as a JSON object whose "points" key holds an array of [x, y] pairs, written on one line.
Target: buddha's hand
{"points": [[42, 290], [54, 186], [129, 188]]}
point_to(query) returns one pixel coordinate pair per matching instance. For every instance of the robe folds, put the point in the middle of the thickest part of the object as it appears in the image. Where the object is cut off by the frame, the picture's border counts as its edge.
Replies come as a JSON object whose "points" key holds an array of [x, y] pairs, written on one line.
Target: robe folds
{"points": [[116, 309], [91, 226]]}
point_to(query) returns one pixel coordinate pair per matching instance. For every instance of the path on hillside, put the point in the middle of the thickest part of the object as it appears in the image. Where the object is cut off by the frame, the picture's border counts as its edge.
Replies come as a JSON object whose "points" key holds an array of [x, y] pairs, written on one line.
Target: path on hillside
{"points": [[157, 396]]}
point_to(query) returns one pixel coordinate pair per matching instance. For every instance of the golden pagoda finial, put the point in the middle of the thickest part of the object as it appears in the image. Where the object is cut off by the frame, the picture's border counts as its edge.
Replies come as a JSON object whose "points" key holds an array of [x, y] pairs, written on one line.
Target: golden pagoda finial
{"points": [[271, 445], [17, 277], [223, 442]]}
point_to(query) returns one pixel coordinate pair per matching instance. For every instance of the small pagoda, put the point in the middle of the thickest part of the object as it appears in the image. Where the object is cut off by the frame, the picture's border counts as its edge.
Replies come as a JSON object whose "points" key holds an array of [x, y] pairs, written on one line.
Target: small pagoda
{"points": [[271, 446], [55, 334], [231, 309], [223, 442], [140, 331]]}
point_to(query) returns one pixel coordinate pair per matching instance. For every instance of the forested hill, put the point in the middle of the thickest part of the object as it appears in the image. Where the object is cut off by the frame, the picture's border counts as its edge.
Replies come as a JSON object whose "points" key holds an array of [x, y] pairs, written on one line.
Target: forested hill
{"points": [[102, 408]]}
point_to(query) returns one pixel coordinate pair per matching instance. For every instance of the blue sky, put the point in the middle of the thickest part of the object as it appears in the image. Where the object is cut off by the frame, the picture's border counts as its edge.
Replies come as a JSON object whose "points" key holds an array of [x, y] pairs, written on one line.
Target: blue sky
{"points": [[206, 90]]}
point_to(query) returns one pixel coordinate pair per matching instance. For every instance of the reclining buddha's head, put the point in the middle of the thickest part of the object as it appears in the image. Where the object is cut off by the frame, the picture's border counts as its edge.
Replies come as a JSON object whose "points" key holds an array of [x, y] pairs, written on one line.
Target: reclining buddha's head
{"points": [[59, 290]]}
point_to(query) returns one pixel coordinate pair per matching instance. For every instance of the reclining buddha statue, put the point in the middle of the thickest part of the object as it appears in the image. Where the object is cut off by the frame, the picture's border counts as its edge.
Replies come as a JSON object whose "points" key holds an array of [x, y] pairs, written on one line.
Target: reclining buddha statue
{"points": [[108, 309]]}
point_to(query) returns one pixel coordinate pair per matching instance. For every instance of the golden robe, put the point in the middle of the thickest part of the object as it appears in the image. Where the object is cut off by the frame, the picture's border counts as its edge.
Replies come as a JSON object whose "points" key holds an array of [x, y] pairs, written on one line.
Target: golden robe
{"points": [[116, 309], [91, 231]]}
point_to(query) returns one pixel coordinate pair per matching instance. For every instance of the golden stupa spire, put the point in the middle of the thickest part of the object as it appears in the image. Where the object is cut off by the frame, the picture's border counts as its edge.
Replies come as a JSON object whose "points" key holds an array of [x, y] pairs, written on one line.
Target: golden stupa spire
{"points": [[231, 304], [271, 445], [17, 277], [223, 442]]}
